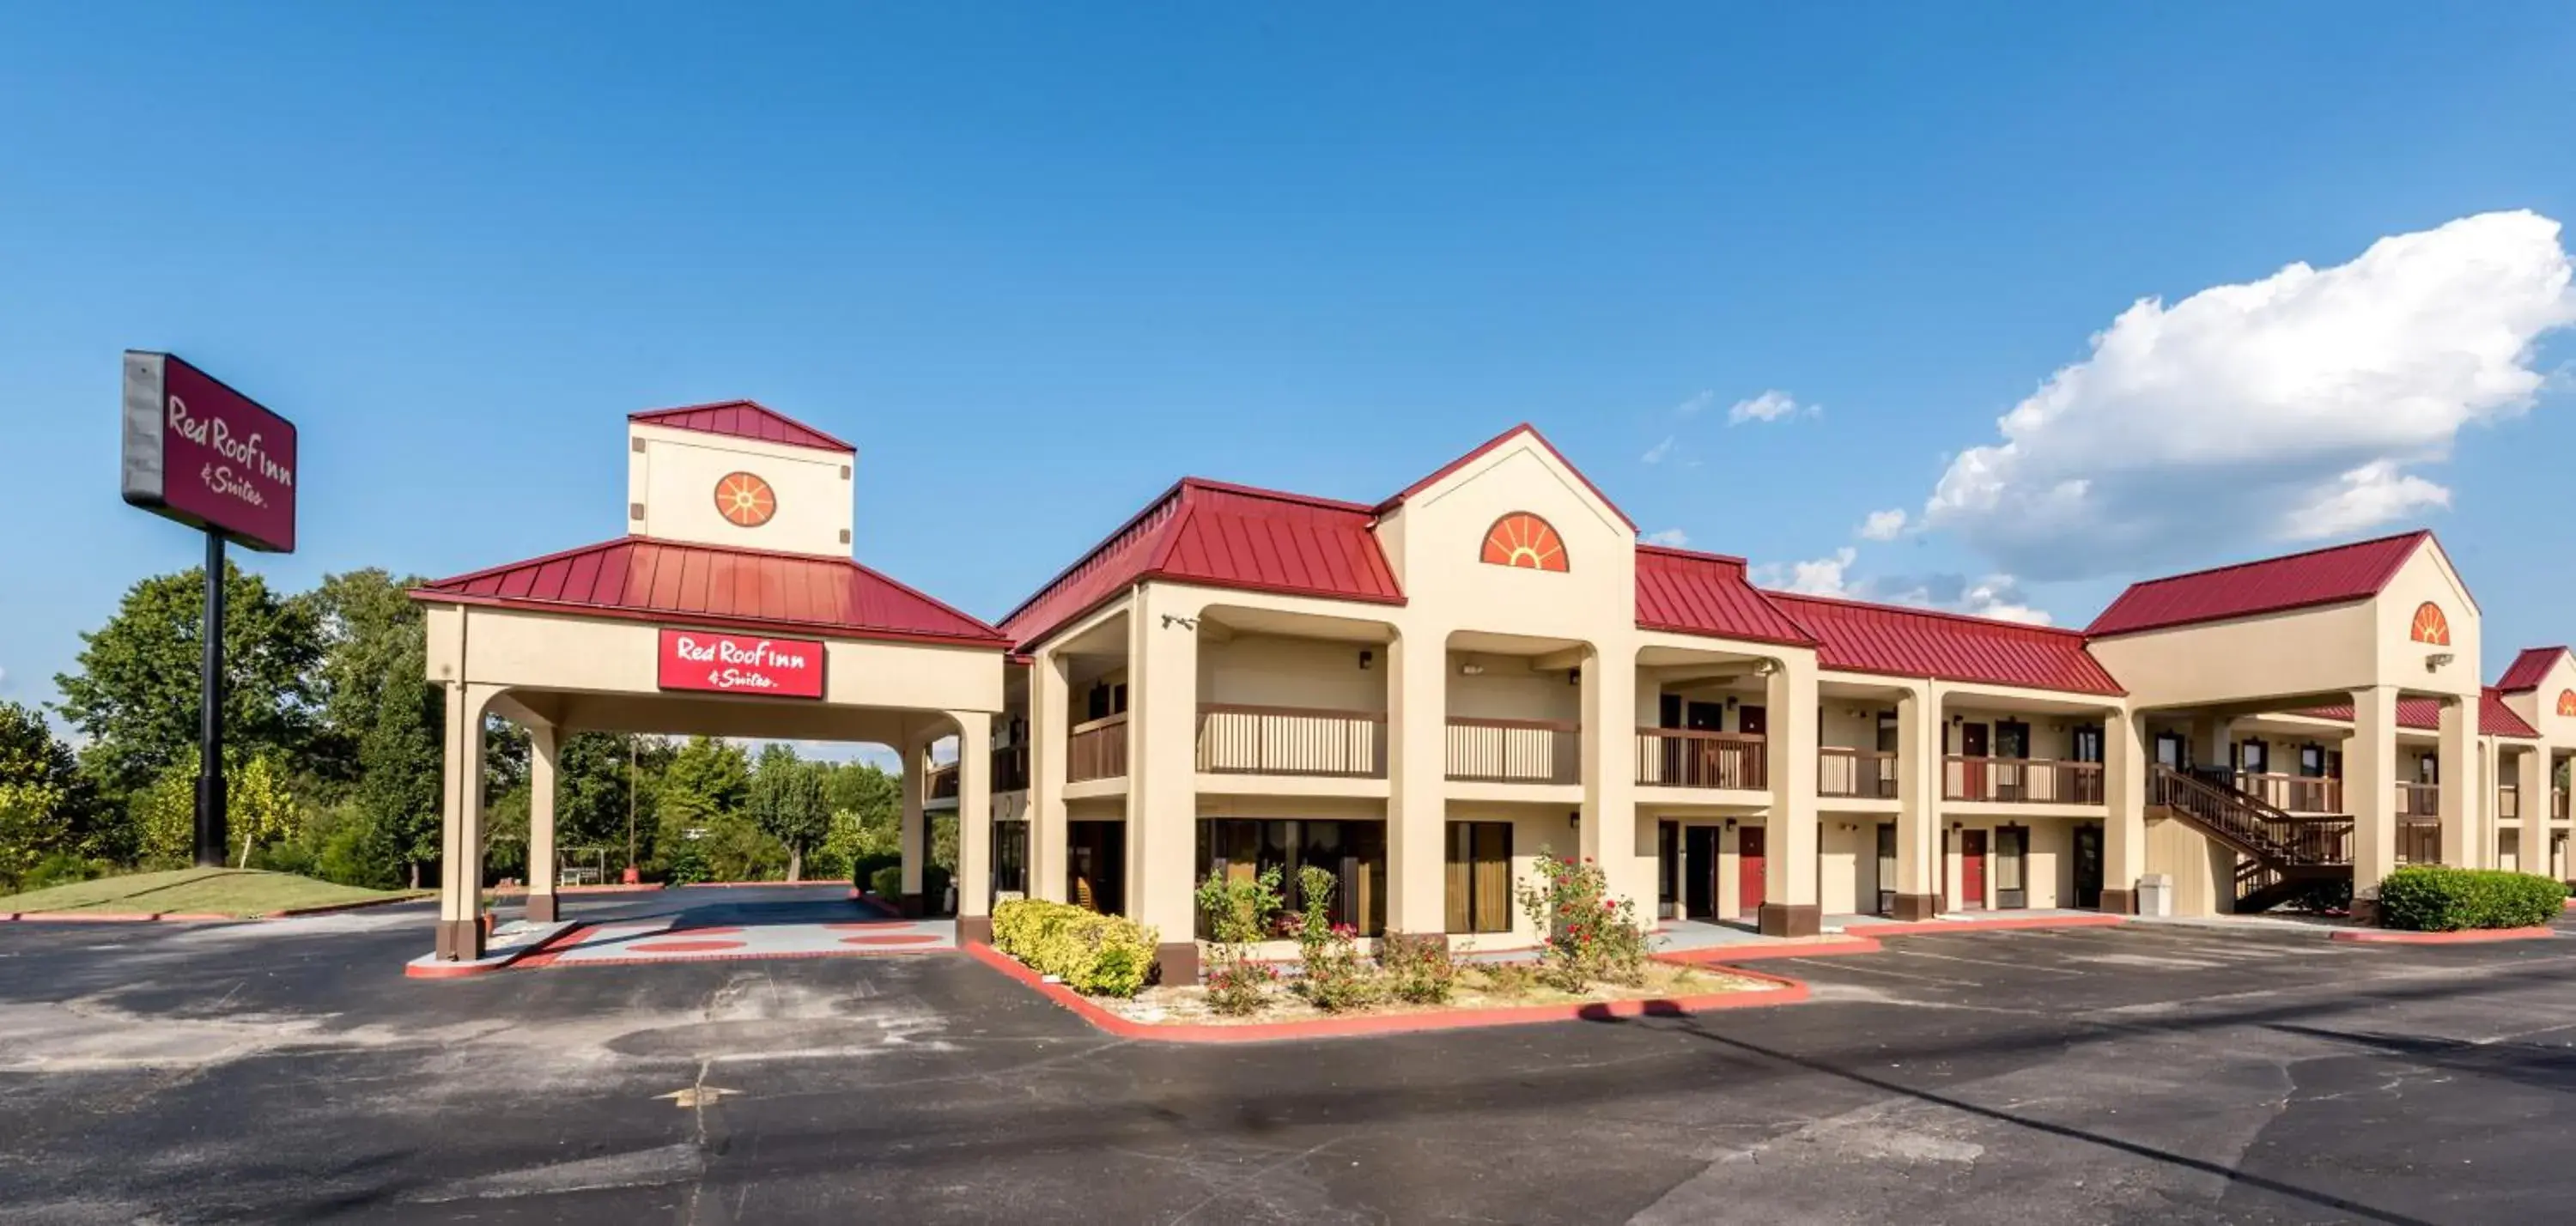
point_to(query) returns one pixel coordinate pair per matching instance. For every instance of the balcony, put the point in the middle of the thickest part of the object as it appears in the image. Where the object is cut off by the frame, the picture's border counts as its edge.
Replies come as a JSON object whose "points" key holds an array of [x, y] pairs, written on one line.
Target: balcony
{"points": [[1691, 758], [1010, 774], [2419, 800], [1236, 739], [2508, 802], [1096, 749], [2293, 793], [1863, 774], [2020, 781], [1515, 751]]}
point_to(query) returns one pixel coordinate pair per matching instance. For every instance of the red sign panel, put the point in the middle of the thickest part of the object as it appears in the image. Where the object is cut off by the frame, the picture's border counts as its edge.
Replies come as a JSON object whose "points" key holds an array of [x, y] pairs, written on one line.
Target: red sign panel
{"points": [[201, 453], [741, 664]]}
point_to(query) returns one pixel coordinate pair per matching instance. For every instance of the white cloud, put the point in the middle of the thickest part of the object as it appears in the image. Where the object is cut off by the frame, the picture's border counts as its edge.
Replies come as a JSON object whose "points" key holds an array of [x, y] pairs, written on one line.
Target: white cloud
{"points": [[1674, 537], [1815, 577], [1882, 525], [1772, 405], [1656, 453], [2289, 408], [1695, 405]]}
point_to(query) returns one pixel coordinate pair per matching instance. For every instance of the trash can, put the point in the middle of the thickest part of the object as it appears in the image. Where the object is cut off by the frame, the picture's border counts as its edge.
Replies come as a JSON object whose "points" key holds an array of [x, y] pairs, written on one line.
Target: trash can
{"points": [[2155, 895]]}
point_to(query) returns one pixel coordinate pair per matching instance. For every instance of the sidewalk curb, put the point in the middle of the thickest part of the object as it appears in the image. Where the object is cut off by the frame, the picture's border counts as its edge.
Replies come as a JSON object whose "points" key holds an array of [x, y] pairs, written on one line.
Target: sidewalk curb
{"points": [[2472, 936], [1785, 992], [468, 970]]}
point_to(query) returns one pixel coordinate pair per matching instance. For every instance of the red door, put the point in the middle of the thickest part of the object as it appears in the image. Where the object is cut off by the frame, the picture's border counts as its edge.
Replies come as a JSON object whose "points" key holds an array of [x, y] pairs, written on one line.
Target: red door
{"points": [[1972, 773], [1972, 869], [1748, 878]]}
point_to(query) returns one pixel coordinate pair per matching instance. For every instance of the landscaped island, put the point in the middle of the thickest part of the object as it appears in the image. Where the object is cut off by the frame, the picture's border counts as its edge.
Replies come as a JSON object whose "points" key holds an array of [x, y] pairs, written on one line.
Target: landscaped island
{"points": [[226, 892]]}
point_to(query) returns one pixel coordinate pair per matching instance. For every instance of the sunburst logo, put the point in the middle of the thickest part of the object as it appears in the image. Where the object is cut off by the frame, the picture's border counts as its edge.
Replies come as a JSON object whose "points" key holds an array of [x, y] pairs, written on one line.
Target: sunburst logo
{"points": [[2430, 626], [2567, 702], [745, 500], [1524, 540]]}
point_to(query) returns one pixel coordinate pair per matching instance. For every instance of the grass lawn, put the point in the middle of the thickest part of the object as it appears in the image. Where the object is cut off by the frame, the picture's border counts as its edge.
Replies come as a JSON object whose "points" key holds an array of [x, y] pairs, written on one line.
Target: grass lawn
{"points": [[203, 891]]}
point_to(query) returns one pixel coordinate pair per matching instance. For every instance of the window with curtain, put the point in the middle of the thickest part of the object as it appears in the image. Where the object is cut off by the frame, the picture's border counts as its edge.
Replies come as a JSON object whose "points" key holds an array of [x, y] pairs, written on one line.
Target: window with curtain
{"points": [[1011, 856], [1480, 877], [2012, 847]]}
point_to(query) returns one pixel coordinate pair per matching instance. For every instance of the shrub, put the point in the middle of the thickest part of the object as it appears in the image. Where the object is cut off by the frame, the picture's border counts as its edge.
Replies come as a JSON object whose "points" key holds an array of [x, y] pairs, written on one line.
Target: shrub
{"points": [[1419, 969], [1237, 986], [63, 868], [1336, 978], [1508, 978], [1098, 955], [688, 866], [1590, 934], [887, 882], [2433, 898]]}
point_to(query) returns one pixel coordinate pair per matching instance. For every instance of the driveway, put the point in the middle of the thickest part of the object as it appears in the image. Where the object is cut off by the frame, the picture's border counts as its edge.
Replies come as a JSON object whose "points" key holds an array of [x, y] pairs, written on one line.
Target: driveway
{"points": [[287, 1072]]}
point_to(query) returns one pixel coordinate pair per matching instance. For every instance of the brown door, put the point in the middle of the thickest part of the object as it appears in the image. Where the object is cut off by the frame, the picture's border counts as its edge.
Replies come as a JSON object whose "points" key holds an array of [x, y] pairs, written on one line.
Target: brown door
{"points": [[1972, 870], [1748, 856], [1972, 774]]}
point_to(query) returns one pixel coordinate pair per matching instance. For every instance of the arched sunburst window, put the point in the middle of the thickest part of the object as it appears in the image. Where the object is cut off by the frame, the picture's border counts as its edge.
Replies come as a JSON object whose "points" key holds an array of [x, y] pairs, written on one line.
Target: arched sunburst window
{"points": [[2567, 702], [1524, 540], [2430, 626]]}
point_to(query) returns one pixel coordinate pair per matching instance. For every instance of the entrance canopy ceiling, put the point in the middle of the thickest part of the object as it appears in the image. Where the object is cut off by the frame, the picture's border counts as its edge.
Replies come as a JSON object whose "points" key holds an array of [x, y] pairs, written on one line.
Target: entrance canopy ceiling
{"points": [[642, 579]]}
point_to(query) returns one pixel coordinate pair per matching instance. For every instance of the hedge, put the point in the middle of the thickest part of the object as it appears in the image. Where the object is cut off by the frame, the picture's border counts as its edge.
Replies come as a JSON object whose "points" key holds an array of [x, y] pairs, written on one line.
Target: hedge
{"points": [[2432, 898], [1095, 954]]}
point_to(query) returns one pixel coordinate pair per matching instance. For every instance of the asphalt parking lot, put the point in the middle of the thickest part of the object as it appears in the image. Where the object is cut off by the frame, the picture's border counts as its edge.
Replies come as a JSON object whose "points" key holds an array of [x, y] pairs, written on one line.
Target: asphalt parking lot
{"points": [[287, 1072]]}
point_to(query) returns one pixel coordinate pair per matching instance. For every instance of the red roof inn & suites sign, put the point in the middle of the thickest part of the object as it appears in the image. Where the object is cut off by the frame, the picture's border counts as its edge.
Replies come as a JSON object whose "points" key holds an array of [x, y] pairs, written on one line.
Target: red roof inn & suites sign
{"points": [[741, 664], [201, 453]]}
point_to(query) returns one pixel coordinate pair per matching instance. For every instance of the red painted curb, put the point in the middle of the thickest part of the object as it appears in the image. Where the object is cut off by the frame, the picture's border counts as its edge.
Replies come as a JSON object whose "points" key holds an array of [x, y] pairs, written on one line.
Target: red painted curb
{"points": [[2473, 936], [435, 970], [1790, 991]]}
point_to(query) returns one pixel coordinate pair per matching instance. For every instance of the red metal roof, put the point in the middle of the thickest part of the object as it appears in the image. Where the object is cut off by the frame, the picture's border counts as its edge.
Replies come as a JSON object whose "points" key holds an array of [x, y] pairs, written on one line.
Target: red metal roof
{"points": [[1688, 592], [2425, 715], [2529, 669], [1497, 441], [742, 419], [1219, 535], [1908, 642], [2270, 585], [642, 579]]}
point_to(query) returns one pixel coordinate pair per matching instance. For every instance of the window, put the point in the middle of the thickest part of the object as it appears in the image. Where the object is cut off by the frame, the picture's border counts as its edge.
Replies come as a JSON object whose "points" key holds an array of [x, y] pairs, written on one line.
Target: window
{"points": [[1886, 869], [1105, 700], [2312, 761], [1011, 857], [1887, 731], [2254, 757], [2012, 849], [2012, 739], [1354, 852], [2086, 742], [1480, 877]]}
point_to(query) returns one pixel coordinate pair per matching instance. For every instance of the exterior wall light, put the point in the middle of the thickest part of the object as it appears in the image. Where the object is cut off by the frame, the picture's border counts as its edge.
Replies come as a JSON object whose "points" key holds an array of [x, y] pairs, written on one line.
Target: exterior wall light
{"points": [[1367, 658], [1471, 669], [2433, 661]]}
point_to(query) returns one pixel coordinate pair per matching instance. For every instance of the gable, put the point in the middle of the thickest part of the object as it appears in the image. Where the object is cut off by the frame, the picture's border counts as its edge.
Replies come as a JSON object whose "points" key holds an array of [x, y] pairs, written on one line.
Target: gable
{"points": [[1513, 527]]}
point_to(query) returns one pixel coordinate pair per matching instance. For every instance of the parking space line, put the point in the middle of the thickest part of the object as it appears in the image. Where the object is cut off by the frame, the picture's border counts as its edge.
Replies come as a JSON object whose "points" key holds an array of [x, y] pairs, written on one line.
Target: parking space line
{"points": [[1842, 965]]}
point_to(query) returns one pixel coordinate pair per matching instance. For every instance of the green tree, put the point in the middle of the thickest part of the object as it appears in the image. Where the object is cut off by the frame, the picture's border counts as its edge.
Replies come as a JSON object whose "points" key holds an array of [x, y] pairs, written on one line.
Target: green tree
{"points": [[164, 813], [873, 799], [57, 809], [787, 800], [593, 790], [370, 629], [398, 766], [258, 808], [707, 781], [135, 693]]}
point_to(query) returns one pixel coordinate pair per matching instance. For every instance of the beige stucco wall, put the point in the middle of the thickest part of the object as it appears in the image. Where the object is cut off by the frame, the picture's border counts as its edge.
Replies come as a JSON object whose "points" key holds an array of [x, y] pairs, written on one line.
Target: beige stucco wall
{"points": [[673, 474], [2203, 872], [1275, 670]]}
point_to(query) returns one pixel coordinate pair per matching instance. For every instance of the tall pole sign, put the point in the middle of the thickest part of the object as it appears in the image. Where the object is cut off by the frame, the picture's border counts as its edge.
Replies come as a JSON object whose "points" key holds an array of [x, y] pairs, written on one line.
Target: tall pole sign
{"points": [[209, 457]]}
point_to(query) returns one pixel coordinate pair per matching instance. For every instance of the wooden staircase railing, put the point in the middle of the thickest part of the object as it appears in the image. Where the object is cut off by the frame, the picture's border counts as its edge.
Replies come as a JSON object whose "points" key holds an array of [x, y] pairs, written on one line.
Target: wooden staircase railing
{"points": [[2281, 854]]}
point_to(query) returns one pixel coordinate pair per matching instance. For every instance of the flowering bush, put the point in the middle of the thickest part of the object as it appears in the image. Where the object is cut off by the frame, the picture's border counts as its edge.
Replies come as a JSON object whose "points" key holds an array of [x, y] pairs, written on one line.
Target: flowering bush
{"points": [[1237, 986], [1336, 976], [1590, 934], [1419, 969], [1234, 913]]}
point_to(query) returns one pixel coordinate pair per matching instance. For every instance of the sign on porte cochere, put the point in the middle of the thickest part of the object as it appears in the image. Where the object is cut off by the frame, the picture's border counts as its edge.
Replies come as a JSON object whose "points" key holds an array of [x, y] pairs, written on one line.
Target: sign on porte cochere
{"points": [[741, 664], [201, 453]]}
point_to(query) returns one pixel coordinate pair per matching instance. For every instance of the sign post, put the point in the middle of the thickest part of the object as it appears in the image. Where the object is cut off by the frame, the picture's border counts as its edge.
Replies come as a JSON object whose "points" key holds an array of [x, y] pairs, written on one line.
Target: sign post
{"points": [[207, 456]]}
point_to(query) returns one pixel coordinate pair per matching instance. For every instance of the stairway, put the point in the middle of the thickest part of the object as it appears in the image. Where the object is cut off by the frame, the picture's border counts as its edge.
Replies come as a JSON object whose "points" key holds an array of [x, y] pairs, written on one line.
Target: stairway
{"points": [[2280, 856]]}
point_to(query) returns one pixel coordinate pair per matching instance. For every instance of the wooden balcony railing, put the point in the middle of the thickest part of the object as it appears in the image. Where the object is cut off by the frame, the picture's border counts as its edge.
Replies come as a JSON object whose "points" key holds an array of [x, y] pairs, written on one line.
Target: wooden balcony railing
{"points": [[1867, 773], [1515, 750], [2034, 781], [2509, 801], [1690, 758], [943, 782], [2293, 793], [1096, 750], [2419, 800], [2557, 805], [1235, 739]]}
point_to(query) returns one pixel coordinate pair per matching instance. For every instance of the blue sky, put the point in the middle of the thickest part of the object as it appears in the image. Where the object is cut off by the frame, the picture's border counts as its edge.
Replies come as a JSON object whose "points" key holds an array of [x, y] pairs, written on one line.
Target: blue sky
{"points": [[1038, 262]]}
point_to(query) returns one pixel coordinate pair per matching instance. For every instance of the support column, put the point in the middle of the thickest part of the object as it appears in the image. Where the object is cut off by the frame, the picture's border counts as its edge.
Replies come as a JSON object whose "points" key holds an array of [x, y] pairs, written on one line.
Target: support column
{"points": [[1918, 804], [2370, 791], [2457, 799], [2214, 743], [1162, 777], [544, 743], [1049, 703], [974, 826], [1417, 765], [2124, 826], [460, 862], [1606, 831], [2531, 783], [1790, 907], [913, 835]]}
